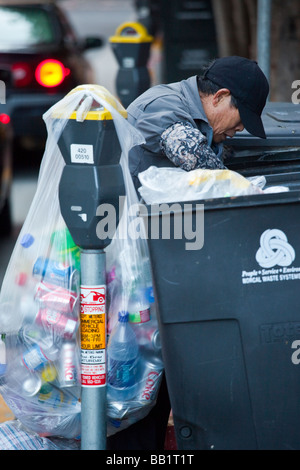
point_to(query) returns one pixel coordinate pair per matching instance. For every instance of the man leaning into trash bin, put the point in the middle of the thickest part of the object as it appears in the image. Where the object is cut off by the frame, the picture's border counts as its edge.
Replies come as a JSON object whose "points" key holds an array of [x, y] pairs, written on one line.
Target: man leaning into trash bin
{"points": [[185, 125]]}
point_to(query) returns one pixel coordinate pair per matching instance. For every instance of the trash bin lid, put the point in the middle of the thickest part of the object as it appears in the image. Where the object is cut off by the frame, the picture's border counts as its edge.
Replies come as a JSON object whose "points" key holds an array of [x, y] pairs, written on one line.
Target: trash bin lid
{"points": [[281, 122]]}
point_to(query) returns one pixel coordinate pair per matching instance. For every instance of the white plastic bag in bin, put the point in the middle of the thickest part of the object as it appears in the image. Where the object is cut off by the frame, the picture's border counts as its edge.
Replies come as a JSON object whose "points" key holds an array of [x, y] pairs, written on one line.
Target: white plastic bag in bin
{"points": [[40, 300], [160, 185]]}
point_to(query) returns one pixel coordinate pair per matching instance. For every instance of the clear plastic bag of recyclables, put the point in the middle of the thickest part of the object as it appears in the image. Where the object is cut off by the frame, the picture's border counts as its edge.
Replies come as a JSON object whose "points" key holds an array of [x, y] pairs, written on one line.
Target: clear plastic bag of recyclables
{"points": [[40, 299], [160, 185]]}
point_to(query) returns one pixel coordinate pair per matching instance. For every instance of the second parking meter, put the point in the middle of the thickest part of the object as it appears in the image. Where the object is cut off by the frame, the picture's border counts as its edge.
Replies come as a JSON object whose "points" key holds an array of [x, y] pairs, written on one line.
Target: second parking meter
{"points": [[92, 178], [131, 45]]}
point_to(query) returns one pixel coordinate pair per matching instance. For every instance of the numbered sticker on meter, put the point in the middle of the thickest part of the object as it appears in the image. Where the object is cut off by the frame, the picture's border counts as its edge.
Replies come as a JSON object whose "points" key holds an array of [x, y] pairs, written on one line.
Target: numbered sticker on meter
{"points": [[82, 153]]}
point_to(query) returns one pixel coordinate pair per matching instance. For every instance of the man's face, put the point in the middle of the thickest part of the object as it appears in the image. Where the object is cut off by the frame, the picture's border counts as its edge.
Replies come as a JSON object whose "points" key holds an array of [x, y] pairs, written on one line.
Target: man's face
{"points": [[224, 117]]}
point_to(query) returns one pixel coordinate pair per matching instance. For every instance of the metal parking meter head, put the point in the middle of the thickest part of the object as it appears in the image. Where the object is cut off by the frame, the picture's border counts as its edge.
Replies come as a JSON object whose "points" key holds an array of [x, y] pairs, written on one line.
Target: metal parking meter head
{"points": [[92, 175], [131, 45]]}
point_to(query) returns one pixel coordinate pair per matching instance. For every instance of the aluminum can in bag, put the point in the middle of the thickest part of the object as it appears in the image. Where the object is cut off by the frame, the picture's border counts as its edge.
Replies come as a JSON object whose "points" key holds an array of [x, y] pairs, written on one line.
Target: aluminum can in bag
{"points": [[147, 336], [54, 297], [62, 325], [151, 375]]}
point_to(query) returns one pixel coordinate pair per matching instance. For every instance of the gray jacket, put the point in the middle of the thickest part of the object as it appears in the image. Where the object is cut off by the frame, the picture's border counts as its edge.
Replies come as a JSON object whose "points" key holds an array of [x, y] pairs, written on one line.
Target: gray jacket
{"points": [[156, 110]]}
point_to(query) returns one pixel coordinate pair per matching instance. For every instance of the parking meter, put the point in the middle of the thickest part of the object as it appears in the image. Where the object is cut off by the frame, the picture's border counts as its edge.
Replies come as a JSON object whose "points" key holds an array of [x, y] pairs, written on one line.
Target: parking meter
{"points": [[131, 45], [92, 177]]}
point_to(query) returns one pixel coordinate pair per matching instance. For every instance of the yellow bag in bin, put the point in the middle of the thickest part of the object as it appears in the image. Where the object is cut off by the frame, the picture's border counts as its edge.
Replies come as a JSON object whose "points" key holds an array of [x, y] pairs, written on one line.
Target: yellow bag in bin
{"points": [[221, 183]]}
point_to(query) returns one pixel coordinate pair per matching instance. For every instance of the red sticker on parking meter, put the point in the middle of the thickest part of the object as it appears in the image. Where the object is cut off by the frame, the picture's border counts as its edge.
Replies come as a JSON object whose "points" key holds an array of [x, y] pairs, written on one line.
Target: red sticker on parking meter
{"points": [[93, 336]]}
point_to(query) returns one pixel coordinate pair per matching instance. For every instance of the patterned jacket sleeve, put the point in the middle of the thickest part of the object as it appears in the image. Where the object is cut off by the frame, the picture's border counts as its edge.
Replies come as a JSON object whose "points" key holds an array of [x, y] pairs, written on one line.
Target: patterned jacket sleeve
{"points": [[187, 148]]}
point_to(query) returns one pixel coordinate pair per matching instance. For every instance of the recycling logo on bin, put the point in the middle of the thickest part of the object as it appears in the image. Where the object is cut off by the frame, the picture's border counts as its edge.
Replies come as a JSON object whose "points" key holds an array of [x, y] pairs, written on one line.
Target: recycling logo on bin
{"points": [[274, 256], [274, 249]]}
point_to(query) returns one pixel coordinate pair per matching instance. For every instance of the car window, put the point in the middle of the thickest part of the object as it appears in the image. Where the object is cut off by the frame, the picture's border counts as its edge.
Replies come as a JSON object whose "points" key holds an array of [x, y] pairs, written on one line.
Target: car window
{"points": [[21, 28]]}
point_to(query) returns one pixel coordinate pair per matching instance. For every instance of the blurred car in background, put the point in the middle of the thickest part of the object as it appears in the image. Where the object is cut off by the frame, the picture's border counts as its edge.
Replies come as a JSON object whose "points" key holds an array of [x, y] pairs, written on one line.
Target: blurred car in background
{"points": [[44, 58], [6, 166]]}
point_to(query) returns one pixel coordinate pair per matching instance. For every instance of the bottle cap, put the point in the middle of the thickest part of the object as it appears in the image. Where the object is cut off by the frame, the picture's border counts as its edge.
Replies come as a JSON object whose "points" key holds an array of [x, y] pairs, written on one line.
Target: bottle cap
{"points": [[27, 240], [39, 267], [123, 316], [150, 294], [46, 388], [49, 373]]}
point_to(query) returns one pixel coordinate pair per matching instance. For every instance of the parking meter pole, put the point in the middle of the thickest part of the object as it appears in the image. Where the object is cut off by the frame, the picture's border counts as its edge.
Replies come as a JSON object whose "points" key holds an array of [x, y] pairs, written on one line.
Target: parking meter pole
{"points": [[93, 399], [131, 46]]}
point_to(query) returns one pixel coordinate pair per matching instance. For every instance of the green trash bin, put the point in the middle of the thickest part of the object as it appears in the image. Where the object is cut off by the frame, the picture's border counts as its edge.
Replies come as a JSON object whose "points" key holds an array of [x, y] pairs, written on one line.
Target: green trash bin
{"points": [[229, 313]]}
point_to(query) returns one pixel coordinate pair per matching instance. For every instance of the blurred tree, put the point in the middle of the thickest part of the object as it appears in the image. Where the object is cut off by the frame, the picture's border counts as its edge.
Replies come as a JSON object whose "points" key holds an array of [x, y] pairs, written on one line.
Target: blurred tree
{"points": [[236, 33]]}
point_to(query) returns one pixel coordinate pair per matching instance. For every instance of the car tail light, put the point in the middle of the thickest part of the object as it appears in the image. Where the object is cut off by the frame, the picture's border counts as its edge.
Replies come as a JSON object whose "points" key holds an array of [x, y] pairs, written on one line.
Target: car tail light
{"points": [[22, 74], [4, 118], [50, 73]]}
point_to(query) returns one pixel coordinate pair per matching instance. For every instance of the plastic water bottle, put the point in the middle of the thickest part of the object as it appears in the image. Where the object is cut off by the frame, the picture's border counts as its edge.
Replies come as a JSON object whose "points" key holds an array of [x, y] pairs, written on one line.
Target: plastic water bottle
{"points": [[40, 353], [122, 352], [28, 256], [138, 305], [146, 269], [21, 380]]}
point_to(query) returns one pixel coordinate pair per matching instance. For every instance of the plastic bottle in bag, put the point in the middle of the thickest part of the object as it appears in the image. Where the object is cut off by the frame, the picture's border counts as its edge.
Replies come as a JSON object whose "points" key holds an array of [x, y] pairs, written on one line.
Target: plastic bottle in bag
{"points": [[122, 352], [54, 272], [22, 380], [138, 305], [55, 322], [28, 256], [146, 272], [23, 372], [64, 248]]}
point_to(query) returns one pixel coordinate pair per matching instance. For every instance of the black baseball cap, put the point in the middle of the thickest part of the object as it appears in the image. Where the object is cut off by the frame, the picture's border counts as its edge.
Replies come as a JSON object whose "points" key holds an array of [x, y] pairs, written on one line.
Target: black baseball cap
{"points": [[249, 86]]}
